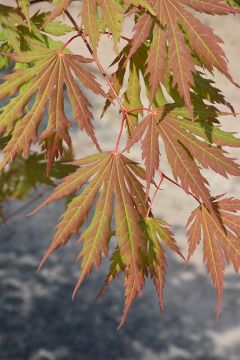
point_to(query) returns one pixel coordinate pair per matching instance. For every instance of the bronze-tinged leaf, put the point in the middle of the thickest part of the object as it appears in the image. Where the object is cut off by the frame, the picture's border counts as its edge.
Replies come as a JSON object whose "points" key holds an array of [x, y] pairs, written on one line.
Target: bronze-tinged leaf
{"points": [[218, 240], [141, 30], [71, 183], [57, 129], [184, 150], [77, 211], [150, 146], [208, 156], [97, 236], [218, 7], [137, 189], [205, 43], [183, 165], [194, 232], [80, 105], [85, 77], [180, 60], [150, 150], [25, 131], [180, 40], [211, 133], [110, 183], [51, 71], [157, 57], [132, 288], [213, 256], [229, 204], [128, 228]]}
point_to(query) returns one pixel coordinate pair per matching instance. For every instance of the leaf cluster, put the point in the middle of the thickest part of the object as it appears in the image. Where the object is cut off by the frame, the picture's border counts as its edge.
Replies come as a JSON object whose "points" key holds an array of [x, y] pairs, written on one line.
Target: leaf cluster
{"points": [[171, 57]]}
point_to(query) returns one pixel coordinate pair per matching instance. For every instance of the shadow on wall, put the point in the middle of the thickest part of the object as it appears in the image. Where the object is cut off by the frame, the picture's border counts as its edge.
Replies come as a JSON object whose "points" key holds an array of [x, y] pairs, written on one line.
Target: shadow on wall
{"points": [[38, 321]]}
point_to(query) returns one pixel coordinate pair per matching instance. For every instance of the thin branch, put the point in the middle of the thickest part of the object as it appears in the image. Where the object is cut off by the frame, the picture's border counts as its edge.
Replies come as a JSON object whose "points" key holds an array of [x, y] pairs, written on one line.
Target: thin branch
{"points": [[110, 33], [155, 192], [69, 41], [120, 134], [124, 110], [178, 185], [141, 109], [73, 21]]}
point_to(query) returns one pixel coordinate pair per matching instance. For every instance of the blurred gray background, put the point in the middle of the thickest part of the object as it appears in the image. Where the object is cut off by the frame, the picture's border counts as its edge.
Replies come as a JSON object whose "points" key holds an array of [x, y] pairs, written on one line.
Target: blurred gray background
{"points": [[38, 320]]}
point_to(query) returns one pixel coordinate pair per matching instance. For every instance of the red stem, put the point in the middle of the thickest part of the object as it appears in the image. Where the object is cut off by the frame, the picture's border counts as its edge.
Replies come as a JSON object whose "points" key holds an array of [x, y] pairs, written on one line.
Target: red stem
{"points": [[141, 109], [175, 183], [120, 133], [155, 192], [70, 40]]}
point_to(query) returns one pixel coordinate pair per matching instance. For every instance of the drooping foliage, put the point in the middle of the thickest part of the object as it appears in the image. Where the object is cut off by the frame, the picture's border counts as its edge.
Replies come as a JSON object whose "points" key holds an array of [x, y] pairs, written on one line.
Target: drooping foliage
{"points": [[168, 57]]}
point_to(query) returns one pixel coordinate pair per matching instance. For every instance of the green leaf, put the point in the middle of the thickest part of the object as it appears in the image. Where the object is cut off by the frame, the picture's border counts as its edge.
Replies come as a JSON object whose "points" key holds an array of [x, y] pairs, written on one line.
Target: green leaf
{"points": [[57, 28]]}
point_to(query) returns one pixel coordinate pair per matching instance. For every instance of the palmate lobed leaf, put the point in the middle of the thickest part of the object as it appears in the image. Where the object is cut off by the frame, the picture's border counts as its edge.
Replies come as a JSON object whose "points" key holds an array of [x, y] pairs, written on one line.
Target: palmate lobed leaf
{"points": [[218, 241], [187, 145], [139, 252], [51, 72], [178, 37]]}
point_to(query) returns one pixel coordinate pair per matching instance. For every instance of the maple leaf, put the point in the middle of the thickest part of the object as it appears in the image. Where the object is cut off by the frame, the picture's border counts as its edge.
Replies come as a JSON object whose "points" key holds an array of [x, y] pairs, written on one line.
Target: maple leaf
{"points": [[183, 149], [52, 70], [112, 176], [178, 37], [111, 16], [218, 241], [107, 190], [208, 129], [208, 156]]}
